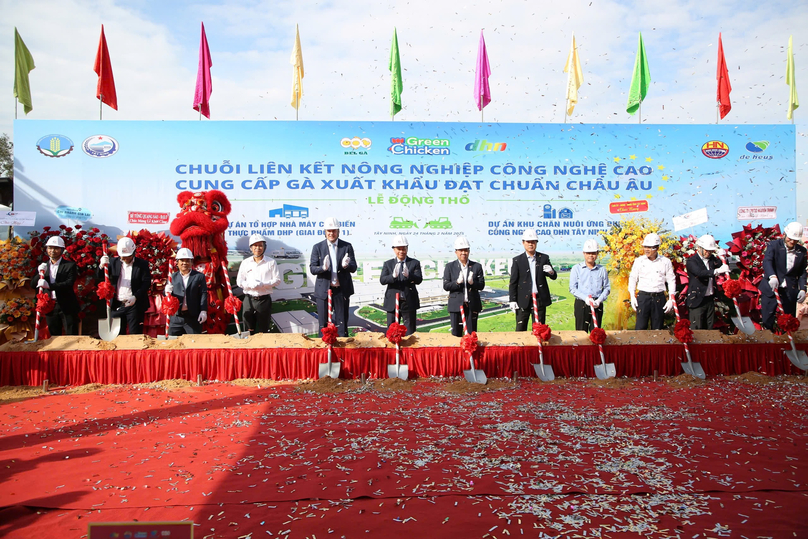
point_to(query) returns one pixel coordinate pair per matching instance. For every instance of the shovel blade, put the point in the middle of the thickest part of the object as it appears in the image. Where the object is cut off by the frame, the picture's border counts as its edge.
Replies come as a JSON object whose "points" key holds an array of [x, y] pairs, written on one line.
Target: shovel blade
{"points": [[604, 371], [392, 371], [109, 328], [403, 372], [798, 358], [544, 372], [166, 337], [693, 369], [475, 376], [743, 324], [242, 335], [329, 370]]}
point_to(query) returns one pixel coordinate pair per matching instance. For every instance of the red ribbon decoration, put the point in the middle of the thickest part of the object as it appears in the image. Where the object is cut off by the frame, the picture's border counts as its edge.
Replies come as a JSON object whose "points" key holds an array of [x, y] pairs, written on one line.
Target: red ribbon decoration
{"points": [[542, 332], [105, 291], [682, 331], [44, 303], [469, 343], [788, 323], [170, 306], [597, 336], [232, 305], [395, 332], [732, 288], [329, 334]]}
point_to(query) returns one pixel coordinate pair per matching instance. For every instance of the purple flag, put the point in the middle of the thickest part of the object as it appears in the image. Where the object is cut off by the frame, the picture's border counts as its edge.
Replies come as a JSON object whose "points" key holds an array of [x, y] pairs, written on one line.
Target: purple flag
{"points": [[482, 93], [204, 86]]}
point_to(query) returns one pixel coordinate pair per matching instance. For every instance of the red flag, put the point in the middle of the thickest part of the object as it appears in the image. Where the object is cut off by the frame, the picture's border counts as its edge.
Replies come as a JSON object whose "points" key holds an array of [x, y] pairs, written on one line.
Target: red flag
{"points": [[204, 84], [103, 67], [722, 76]]}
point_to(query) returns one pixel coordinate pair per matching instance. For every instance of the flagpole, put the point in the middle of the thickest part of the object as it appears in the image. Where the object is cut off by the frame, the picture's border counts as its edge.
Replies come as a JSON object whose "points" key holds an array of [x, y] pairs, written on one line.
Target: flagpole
{"points": [[101, 107], [717, 111], [639, 113], [482, 116], [15, 108]]}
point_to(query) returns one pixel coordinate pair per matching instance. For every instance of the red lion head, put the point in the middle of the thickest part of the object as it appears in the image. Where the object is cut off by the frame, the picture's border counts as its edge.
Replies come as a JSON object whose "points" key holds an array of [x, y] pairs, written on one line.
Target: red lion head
{"points": [[201, 223]]}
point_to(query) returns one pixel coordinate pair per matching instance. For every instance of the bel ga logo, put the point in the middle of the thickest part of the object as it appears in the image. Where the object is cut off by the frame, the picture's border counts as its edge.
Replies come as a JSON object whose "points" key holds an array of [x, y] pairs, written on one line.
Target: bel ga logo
{"points": [[100, 146], [54, 145], [715, 149]]}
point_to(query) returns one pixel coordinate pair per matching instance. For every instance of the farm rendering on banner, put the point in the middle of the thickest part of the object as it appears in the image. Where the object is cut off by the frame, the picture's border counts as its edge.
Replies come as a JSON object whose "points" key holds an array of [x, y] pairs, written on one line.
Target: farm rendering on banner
{"points": [[427, 181]]}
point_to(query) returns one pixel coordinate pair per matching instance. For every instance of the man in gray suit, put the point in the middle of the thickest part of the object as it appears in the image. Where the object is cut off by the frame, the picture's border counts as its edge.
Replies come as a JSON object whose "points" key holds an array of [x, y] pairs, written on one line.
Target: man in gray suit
{"points": [[463, 279], [401, 274], [332, 262], [190, 288]]}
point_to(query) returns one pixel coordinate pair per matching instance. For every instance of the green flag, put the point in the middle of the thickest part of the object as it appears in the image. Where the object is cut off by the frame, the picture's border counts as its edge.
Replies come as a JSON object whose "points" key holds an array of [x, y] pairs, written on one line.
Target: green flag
{"points": [[23, 64], [793, 100], [397, 86], [639, 81]]}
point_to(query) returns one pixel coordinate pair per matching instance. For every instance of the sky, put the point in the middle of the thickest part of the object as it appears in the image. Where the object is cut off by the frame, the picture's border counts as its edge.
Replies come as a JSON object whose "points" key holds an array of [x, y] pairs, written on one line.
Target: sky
{"points": [[154, 49]]}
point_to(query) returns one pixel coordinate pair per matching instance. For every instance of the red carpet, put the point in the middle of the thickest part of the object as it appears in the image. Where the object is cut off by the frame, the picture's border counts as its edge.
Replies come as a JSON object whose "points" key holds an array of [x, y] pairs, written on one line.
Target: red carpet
{"points": [[725, 459]]}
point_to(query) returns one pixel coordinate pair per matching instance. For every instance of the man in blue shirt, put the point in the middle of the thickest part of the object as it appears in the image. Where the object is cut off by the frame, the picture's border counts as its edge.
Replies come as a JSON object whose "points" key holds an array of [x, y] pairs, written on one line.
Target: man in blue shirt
{"points": [[589, 279]]}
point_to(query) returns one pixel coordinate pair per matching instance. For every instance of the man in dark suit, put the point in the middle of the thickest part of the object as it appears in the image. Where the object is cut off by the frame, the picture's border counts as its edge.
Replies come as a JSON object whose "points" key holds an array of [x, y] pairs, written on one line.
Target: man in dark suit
{"points": [[401, 274], [191, 289], [529, 273], [58, 280], [784, 266], [131, 278], [463, 279], [702, 269], [332, 262]]}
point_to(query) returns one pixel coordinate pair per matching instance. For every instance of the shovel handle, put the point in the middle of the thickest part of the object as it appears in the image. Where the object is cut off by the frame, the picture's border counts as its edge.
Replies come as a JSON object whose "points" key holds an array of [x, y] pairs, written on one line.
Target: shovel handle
{"points": [[780, 306], [230, 294], [38, 314], [106, 268], [721, 278], [594, 318], [398, 314]]}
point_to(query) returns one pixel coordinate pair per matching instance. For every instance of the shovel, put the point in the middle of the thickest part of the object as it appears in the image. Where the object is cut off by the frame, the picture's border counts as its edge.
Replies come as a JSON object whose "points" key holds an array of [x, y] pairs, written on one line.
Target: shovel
{"points": [[797, 357], [239, 334], [398, 370], [38, 314], [691, 368], [743, 323], [604, 371], [544, 372], [167, 337], [475, 376], [108, 328], [330, 369]]}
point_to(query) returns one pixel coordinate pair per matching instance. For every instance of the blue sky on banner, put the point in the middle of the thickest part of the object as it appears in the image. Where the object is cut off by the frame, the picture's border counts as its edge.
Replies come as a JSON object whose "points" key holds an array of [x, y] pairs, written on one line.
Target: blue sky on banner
{"points": [[154, 49]]}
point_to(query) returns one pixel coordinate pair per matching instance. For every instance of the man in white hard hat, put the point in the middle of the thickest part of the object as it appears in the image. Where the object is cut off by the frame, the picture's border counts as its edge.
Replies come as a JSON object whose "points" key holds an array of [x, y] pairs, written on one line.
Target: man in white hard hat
{"points": [[257, 275], [702, 269], [649, 275], [463, 279], [131, 278], [332, 262], [529, 273], [589, 283], [401, 274], [60, 276], [191, 289], [784, 266]]}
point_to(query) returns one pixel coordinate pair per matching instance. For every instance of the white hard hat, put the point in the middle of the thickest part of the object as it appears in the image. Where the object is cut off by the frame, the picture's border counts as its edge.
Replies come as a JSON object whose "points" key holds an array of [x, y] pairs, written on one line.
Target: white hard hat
{"points": [[126, 247], [793, 231], [55, 241], [651, 240], [529, 235], [400, 241], [257, 238], [184, 254], [331, 223], [707, 242], [461, 242], [591, 246]]}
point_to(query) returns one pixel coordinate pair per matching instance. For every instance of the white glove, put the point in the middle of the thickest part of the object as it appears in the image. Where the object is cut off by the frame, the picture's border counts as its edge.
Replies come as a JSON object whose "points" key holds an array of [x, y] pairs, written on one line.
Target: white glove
{"points": [[104, 262], [203, 317], [548, 269], [42, 267], [668, 306], [128, 302], [801, 296], [42, 283], [773, 282], [345, 261], [634, 304], [720, 252], [405, 272], [326, 263], [471, 278], [169, 287], [460, 278], [395, 271], [723, 269], [595, 303], [514, 306]]}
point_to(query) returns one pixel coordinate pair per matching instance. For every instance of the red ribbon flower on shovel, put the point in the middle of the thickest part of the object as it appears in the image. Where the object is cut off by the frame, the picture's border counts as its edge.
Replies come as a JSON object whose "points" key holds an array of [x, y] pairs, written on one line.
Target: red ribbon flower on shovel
{"points": [[542, 332], [44, 303], [469, 343], [329, 334], [232, 305], [396, 332], [105, 291], [597, 336], [682, 331], [732, 288], [788, 323], [170, 306]]}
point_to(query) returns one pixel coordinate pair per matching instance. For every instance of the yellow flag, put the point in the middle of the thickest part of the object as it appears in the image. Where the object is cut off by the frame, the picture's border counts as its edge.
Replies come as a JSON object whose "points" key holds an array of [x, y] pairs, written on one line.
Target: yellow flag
{"points": [[297, 70], [575, 77], [793, 100]]}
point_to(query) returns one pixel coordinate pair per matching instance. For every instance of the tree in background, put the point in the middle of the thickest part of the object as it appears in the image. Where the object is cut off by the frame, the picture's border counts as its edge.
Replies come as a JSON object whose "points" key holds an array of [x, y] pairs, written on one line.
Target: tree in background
{"points": [[6, 157]]}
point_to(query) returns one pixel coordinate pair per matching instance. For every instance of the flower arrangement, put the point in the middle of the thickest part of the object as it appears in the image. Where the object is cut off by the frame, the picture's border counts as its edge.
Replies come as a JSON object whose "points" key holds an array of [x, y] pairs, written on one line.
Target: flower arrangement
{"points": [[329, 334], [16, 265], [597, 336], [749, 245], [682, 331], [469, 343], [396, 332], [542, 332], [157, 250], [16, 310]]}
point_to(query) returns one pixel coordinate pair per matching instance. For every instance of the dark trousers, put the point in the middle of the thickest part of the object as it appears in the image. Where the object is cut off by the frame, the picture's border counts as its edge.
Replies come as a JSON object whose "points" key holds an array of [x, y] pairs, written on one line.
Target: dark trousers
{"points": [[650, 307], [341, 306], [523, 315], [257, 313], [54, 319], [457, 321], [407, 318], [583, 316], [703, 315], [133, 317], [769, 310], [182, 324]]}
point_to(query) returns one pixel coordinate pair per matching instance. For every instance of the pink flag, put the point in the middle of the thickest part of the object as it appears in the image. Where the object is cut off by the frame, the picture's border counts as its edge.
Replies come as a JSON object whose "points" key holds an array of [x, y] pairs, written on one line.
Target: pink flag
{"points": [[204, 86], [722, 76], [482, 93]]}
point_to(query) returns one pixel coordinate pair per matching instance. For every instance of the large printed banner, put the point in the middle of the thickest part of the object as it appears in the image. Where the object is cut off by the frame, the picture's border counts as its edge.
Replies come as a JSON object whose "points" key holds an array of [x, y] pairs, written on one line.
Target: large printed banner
{"points": [[427, 181]]}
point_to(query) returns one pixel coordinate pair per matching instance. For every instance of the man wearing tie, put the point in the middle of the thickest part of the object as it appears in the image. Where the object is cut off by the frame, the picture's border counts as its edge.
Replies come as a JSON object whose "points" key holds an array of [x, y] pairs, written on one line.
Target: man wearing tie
{"points": [[332, 262], [463, 279], [401, 274], [529, 272], [131, 278], [784, 266], [60, 275], [190, 288], [702, 269]]}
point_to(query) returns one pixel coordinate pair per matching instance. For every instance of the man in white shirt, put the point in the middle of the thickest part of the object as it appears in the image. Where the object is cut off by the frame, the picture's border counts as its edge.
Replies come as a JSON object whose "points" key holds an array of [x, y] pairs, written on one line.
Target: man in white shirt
{"points": [[257, 276], [702, 269], [649, 274]]}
